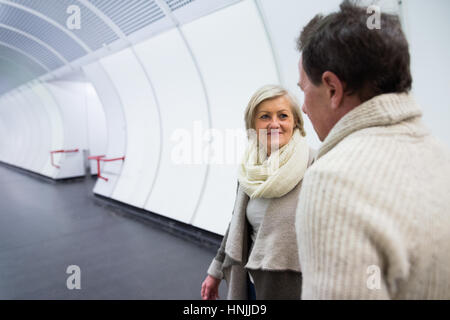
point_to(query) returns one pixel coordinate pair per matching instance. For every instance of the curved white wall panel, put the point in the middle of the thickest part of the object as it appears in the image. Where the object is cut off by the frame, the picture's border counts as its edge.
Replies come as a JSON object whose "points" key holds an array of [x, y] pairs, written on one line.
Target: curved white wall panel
{"points": [[115, 127], [20, 130], [41, 134], [235, 59], [143, 127], [428, 31], [71, 99], [3, 133], [32, 138], [9, 142], [6, 140], [183, 105], [96, 125], [52, 112]]}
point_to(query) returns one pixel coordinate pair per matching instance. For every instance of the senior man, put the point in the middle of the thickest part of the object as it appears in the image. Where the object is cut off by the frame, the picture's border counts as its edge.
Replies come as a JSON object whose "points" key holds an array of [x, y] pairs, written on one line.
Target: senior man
{"points": [[373, 219]]}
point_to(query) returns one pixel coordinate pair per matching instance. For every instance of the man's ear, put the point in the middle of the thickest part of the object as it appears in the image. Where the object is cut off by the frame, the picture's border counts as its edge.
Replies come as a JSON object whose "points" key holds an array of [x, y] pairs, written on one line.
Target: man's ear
{"points": [[335, 88]]}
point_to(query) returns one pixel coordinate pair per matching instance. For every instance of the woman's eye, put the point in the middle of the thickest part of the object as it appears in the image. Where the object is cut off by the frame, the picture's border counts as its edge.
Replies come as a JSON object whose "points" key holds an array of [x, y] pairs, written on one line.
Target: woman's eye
{"points": [[264, 116], [283, 116]]}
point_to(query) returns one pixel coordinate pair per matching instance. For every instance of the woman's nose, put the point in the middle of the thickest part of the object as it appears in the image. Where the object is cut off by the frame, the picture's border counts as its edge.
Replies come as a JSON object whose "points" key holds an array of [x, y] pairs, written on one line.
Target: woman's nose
{"points": [[274, 123]]}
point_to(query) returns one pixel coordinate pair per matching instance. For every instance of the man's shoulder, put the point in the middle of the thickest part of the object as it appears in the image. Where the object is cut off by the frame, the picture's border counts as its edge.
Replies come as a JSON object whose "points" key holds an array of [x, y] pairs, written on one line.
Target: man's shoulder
{"points": [[353, 148], [363, 160], [352, 161]]}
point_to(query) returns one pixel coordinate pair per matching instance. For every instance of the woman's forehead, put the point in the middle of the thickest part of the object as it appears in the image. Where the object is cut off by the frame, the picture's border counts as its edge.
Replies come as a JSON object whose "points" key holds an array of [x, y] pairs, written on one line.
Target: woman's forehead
{"points": [[275, 105]]}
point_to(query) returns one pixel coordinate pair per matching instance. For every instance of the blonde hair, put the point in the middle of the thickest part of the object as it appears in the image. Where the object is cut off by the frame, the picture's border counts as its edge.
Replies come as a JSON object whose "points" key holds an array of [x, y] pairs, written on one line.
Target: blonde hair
{"points": [[269, 92]]}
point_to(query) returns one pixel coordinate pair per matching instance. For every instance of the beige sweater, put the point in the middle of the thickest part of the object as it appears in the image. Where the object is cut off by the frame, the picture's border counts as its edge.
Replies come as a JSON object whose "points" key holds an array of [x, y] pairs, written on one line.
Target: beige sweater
{"points": [[377, 199]]}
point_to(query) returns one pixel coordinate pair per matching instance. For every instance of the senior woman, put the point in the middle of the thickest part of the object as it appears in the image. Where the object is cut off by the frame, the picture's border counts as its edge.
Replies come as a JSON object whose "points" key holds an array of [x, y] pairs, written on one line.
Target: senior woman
{"points": [[258, 256]]}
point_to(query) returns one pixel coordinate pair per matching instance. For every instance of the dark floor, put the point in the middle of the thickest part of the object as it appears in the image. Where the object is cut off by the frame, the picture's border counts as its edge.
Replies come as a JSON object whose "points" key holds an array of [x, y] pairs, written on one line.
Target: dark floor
{"points": [[45, 227]]}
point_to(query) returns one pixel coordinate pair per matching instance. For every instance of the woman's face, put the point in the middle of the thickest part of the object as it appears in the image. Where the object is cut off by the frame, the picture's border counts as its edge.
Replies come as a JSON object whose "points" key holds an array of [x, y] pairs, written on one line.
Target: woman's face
{"points": [[274, 122]]}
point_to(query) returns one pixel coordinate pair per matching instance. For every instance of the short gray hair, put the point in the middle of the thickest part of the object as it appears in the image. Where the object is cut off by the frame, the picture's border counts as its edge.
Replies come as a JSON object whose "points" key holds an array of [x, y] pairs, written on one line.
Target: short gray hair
{"points": [[267, 92]]}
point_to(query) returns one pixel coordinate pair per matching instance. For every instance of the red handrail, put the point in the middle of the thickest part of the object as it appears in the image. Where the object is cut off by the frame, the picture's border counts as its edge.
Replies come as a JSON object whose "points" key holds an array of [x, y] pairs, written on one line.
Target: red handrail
{"points": [[100, 158], [106, 160], [59, 151], [98, 164]]}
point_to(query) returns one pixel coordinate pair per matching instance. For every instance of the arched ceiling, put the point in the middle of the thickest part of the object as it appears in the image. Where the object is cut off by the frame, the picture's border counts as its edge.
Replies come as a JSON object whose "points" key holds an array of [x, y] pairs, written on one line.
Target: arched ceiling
{"points": [[35, 38]]}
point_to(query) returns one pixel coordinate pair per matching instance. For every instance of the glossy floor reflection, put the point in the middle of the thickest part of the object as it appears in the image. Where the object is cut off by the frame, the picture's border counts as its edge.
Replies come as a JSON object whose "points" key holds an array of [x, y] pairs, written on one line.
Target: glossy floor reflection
{"points": [[45, 227]]}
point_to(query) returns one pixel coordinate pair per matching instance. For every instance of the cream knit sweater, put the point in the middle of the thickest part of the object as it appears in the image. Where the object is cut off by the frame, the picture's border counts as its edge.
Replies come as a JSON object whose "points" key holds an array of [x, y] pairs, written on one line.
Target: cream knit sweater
{"points": [[373, 220]]}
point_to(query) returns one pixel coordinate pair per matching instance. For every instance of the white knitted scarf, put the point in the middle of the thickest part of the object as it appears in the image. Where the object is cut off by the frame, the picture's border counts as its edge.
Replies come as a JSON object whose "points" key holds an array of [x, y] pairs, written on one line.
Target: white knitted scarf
{"points": [[274, 176]]}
